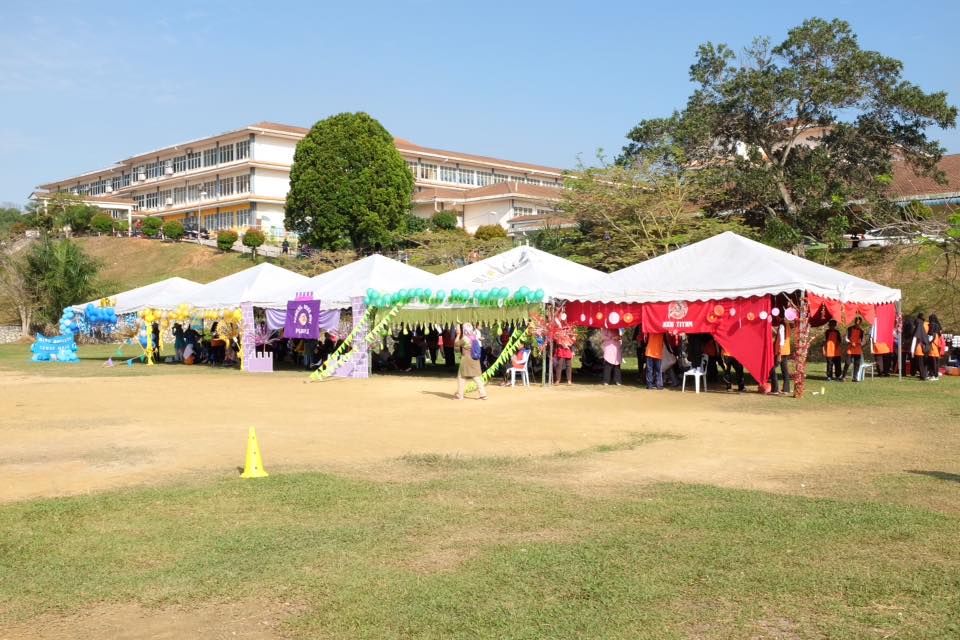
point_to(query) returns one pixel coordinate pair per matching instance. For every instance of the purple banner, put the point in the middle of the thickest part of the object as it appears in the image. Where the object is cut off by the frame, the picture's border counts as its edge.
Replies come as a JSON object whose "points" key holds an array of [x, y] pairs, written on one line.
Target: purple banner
{"points": [[303, 319]]}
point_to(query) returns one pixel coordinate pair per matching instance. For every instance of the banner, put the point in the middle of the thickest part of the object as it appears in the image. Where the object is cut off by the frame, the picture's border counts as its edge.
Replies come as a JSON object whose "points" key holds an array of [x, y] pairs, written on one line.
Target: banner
{"points": [[54, 349], [680, 317], [302, 320]]}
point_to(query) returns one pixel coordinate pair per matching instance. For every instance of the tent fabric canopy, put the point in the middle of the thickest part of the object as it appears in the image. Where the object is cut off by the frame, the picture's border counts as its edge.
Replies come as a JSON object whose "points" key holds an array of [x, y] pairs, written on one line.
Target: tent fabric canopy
{"points": [[524, 266], [729, 266], [262, 286], [171, 291], [335, 288]]}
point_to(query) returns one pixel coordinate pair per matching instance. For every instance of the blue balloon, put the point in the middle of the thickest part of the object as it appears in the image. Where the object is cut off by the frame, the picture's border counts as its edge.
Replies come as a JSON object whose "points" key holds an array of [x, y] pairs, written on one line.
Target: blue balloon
{"points": [[418, 293], [441, 295], [427, 293]]}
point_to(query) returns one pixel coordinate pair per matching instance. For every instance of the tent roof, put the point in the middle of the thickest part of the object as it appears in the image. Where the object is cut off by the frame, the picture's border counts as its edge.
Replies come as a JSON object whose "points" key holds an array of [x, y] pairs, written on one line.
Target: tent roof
{"points": [[731, 266], [264, 285], [159, 294], [525, 266], [335, 288]]}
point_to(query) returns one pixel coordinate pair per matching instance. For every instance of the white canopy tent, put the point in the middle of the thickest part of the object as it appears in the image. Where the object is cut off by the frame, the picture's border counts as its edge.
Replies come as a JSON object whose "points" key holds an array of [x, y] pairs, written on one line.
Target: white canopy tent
{"points": [[264, 285], [336, 288], [730, 266], [526, 266], [160, 294]]}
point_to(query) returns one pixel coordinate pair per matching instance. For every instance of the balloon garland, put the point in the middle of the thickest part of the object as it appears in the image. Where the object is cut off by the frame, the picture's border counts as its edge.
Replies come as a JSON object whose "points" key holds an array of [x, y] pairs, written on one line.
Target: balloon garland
{"points": [[513, 345], [498, 296], [334, 362]]}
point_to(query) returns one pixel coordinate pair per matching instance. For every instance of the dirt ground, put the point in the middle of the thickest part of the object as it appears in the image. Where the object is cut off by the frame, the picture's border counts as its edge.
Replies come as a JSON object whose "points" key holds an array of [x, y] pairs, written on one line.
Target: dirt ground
{"points": [[62, 436]]}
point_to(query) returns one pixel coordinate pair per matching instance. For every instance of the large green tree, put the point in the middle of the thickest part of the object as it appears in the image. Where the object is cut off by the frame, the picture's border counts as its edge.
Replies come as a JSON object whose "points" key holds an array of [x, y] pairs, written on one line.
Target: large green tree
{"points": [[59, 274], [349, 186], [801, 136]]}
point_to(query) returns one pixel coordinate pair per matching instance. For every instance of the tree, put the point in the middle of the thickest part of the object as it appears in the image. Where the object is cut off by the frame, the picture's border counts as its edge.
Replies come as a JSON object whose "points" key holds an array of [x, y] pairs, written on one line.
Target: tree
{"points": [[75, 219], [444, 250], [173, 230], [254, 238], [446, 220], [10, 216], [102, 223], [17, 289], [60, 209], [627, 213], [151, 226], [349, 186], [803, 132], [226, 239], [61, 274], [489, 232]]}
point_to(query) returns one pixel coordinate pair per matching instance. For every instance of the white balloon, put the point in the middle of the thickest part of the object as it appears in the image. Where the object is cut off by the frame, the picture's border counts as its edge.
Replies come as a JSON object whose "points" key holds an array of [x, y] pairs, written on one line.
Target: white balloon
{"points": [[763, 315], [733, 311], [614, 317], [775, 311]]}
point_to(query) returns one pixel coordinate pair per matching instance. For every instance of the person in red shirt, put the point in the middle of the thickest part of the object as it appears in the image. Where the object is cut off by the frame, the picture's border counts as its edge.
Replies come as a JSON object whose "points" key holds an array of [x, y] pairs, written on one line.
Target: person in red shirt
{"points": [[854, 340], [562, 361]]}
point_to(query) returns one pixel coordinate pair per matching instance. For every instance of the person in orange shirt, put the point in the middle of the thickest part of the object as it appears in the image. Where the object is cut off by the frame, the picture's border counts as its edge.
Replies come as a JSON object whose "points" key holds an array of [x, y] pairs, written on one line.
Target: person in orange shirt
{"points": [[937, 346], [831, 351], [882, 354], [654, 355], [854, 342], [781, 356]]}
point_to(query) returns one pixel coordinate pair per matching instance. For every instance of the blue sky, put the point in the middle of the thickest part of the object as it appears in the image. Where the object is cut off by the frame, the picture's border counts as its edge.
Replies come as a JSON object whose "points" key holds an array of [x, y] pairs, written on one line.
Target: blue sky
{"points": [[84, 84]]}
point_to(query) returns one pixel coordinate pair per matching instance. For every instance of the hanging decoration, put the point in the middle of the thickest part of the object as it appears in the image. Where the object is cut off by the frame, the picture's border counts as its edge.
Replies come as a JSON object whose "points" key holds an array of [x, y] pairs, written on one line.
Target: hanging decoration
{"points": [[558, 332], [517, 339], [498, 296], [338, 358], [803, 344]]}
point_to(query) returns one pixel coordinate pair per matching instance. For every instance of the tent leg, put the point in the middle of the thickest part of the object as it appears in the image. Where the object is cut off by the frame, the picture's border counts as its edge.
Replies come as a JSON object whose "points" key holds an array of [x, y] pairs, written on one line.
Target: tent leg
{"points": [[899, 344]]}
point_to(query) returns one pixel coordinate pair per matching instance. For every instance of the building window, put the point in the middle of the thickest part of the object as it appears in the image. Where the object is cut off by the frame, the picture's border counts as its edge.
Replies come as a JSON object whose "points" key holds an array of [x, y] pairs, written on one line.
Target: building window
{"points": [[243, 149], [209, 157], [428, 171], [412, 165], [154, 170], [179, 195], [210, 187], [243, 183], [210, 222], [500, 177], [226, 153], [180, 164], [545, 212], [448, 174], [226, 186], [466, 176], [138, 202], [152, 200], [193, 160], [193, 193], [165, 197], [125, 180], [243, 218], [522, 211], [484, 178]]}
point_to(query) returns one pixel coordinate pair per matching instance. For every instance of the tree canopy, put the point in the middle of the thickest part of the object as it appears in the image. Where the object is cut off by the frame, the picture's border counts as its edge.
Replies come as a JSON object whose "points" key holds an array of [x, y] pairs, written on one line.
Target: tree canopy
{"points": [[58, 274], [799, 136], [349, 186]]}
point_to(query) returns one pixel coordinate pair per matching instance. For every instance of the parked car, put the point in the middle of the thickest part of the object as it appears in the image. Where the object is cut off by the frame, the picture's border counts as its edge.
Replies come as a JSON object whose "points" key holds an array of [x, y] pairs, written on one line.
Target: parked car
{"points": [[812, 244], [880, 238], [191, 231]]}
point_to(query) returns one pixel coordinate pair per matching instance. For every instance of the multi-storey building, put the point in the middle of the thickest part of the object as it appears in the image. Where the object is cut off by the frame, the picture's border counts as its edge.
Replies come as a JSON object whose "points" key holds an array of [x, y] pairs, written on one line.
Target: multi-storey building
{"points": [[240, 179]]}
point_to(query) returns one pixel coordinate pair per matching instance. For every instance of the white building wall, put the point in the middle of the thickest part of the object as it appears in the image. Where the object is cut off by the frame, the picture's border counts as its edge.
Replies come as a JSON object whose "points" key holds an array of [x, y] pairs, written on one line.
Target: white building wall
{"points": [[272, 183], [270, 149], [484, 213], [270, 216]]}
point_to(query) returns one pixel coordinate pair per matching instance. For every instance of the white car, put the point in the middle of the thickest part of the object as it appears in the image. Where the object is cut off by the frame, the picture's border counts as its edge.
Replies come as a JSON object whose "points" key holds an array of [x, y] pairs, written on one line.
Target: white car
{"points": [[880, 238]]}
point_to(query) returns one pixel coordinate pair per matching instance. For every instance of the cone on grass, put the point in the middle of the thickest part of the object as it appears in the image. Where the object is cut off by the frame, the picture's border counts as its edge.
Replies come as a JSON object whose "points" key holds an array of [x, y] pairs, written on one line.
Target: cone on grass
{"points": [[253, 467]]}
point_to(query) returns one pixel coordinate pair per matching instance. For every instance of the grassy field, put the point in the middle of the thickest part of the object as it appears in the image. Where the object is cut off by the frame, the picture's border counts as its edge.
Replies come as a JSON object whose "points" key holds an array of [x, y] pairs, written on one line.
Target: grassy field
{"points": [[474, 546]]}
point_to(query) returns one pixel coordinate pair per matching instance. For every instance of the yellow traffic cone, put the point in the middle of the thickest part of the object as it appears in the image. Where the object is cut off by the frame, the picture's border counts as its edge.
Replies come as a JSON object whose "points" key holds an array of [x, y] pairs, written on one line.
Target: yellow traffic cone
{"points": [[254, 465]]}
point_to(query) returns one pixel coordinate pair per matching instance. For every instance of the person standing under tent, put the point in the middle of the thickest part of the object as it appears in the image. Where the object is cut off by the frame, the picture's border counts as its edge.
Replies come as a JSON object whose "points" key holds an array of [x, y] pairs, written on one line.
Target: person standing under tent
{"points": [[920, 344], [733, 367], [781, 357], [937, 346], [468, 344], [562, 361], [612, 356], [854, 340], [832, 351], [449, 339], [179, 341], [155, 329], [433, 343], [712, 350], [654, 358], [641, 347], [882, 354]]}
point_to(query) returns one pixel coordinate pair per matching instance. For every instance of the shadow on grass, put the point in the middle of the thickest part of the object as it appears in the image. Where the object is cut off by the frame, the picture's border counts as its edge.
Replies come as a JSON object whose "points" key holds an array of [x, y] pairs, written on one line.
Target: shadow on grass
{"points": [[939, 475]]}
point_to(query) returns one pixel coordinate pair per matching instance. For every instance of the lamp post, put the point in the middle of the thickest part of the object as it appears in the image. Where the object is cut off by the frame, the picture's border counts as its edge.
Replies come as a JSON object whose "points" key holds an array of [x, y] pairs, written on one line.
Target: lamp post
{"points": [[202, 195]]}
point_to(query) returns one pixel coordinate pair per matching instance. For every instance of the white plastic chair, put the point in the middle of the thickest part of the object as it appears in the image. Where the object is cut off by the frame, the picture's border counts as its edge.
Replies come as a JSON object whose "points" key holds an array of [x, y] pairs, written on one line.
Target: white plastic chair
{"points": [[524, 373], [696, 373], [864, 367]]}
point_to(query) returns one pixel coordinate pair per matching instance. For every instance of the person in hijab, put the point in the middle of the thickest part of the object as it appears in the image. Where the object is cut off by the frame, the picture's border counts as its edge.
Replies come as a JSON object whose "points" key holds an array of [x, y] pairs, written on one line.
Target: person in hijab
{"points": [[468, 344]]}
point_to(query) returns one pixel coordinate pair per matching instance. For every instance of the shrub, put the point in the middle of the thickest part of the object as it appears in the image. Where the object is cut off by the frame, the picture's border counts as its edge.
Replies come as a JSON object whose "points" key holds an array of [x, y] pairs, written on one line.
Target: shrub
{"points": [[489, 232], [102, 223], [253, 238], [151, 226], [445, 220], [173, 230], [18, 228], [122, 226], [226, 239]]}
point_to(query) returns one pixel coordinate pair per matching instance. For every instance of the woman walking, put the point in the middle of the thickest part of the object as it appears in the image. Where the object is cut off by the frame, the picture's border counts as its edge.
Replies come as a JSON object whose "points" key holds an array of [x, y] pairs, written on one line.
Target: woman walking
{"points": [[468, 345]]}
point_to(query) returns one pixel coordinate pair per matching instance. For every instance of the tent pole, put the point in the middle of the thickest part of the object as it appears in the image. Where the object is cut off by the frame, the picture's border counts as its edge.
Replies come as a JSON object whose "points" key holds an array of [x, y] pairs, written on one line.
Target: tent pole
{"points": [[551, 319], [899, 343]]}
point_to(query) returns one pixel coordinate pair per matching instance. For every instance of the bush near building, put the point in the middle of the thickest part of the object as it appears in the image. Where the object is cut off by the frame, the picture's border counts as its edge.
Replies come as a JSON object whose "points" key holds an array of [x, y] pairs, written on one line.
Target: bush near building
{"points": [[151, 226], [226, 239], [173, 230], [445, 220], [102, 223], [489, 232], [254, 239]]}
